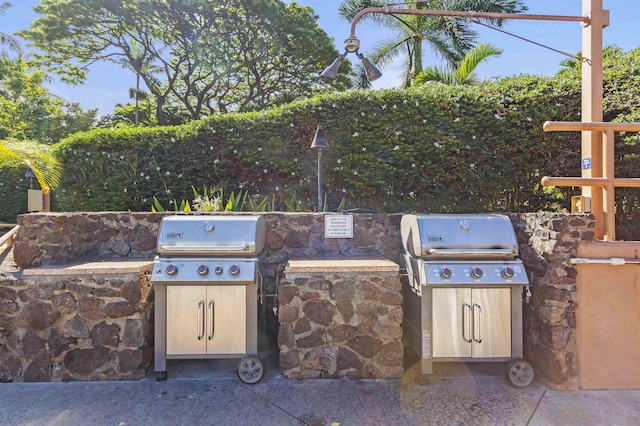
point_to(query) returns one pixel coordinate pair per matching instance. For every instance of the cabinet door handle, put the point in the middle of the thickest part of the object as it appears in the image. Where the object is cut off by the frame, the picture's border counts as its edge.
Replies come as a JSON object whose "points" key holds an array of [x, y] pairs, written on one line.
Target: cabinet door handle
{"points": [[466, 308], [200, 320], [477, 338], [212, 308]]}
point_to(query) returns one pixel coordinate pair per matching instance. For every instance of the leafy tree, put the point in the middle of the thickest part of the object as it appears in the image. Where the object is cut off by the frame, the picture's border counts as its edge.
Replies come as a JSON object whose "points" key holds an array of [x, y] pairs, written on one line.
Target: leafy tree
{"points": [[28, 111], [464, 73], [7, 39], [215, 56], [449, 37]]}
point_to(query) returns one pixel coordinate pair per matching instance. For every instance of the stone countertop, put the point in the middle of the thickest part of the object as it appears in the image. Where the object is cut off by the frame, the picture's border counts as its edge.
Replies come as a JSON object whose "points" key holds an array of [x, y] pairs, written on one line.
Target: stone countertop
{"points": [[342, 265], [90, 268]]}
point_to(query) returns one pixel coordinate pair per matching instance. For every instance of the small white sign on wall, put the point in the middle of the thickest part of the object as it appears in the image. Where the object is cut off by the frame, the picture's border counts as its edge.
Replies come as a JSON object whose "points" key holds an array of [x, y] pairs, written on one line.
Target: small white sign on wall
{"points": [[338, 226]]}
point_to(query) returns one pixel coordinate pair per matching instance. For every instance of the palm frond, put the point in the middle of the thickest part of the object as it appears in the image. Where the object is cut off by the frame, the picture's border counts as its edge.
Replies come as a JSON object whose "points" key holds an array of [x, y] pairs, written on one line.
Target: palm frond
{"points": [[436, 75], [470, 62], [47, 169]]}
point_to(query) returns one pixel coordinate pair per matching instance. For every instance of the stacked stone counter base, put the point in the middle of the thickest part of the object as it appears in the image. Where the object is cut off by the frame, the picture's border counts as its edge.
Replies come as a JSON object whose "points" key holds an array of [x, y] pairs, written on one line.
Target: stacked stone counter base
{"points": [[83, 322], [340, 318]]}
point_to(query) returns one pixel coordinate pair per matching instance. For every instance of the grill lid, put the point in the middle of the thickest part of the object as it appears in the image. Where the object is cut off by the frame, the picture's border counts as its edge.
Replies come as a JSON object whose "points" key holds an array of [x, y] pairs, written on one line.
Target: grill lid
{"points": [[458, 236], [211, 235]]}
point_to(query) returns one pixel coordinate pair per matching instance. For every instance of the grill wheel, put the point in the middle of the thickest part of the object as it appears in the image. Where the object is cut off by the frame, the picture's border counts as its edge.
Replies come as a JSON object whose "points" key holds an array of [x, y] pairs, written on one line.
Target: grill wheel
{"points": [[251, 369]]}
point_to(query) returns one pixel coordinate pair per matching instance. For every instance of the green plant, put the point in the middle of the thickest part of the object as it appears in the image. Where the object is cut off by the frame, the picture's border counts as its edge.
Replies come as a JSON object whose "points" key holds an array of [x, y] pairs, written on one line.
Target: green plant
{"points": [[236, 203], [158, 208], [267, 204], [209, 201], [293, 204]]}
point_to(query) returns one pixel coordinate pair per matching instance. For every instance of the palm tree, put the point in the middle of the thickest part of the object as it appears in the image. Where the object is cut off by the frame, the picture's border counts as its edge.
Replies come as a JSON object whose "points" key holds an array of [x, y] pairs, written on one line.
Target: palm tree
{"points": [[449, 37], [8, 39], [46, 168], [464, 73], [141, 63]]}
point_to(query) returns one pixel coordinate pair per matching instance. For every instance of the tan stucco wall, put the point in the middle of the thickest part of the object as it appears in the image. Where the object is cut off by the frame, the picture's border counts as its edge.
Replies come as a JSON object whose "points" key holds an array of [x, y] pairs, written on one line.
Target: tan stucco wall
{"points": [[608, 317]]}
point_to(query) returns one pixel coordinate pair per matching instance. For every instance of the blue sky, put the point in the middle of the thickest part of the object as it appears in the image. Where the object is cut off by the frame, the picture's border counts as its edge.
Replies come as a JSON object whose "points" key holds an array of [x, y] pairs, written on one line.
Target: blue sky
{"points": [[108, 84]]}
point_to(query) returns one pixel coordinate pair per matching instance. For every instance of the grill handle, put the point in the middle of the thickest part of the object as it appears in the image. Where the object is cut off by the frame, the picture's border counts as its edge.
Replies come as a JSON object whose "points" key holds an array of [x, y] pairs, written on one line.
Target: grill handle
{"points": [[200, 320], [466, 308], [211, 308], [209, 249], [477, 338], [471, 252]]}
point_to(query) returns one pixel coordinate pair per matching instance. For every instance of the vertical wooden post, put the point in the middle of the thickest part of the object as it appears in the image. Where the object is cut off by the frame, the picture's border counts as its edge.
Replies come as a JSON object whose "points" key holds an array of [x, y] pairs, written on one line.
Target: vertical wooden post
{"points": [[608, 191], [592, 96], [46, 200]]}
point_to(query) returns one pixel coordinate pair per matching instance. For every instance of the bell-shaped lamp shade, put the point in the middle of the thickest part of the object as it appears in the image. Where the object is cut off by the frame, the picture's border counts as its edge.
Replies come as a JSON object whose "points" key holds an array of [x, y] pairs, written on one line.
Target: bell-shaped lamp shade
{"points": [[331, 73], [372, 72], [319, 140]]}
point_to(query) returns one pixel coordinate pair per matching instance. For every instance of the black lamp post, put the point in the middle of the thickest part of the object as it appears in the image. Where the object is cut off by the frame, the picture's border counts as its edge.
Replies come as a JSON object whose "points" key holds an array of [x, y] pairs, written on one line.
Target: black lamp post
{"points": [[30, 175], [319, 142]]}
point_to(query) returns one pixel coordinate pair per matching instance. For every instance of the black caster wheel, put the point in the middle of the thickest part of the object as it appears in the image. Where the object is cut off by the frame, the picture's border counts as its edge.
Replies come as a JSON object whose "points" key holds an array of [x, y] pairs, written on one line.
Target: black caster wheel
{"points": [[251, 369], [161, 376], [519, 373]]}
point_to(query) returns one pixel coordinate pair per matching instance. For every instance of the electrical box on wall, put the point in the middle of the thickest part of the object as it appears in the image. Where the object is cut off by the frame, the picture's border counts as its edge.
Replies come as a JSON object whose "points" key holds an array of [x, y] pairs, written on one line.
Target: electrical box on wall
{"points": [[34, 200], [580, 204]]}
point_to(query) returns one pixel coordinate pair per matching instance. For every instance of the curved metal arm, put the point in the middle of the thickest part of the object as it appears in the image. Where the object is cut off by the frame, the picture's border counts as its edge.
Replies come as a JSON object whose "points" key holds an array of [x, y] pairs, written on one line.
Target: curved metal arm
{"points": [[463, 14]]}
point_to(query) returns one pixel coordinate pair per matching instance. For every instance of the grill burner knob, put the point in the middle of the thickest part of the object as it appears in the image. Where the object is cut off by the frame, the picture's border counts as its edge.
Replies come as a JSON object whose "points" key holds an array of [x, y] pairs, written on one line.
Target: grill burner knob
{"points": [[476, 273], [218, 270], [508, 272], [445, 273], [234, 270], [203, 270], [171, 270]]}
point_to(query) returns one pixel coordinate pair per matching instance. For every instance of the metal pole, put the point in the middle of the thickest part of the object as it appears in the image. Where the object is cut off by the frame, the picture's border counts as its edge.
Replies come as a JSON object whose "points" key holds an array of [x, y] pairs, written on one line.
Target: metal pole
{"points": [[320, 208], [463, 14]]}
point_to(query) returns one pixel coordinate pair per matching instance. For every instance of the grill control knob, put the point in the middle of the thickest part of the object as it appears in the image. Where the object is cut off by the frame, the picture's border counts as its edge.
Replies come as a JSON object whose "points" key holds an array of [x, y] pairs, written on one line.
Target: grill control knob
{"points": [[476, 272], [218, 270], [445, 273], [508, 272], [203, 270], [234, 270], [171, 270]]}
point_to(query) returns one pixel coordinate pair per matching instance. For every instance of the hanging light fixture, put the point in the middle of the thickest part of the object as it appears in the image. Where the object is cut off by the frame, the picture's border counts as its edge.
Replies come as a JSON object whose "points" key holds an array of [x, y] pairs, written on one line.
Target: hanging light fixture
{"points": [[351, 45], [373, 73]]}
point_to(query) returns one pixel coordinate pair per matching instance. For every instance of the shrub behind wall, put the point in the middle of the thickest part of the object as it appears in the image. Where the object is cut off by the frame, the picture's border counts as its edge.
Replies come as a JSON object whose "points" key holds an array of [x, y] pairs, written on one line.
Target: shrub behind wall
{"points": [[434, 148]]}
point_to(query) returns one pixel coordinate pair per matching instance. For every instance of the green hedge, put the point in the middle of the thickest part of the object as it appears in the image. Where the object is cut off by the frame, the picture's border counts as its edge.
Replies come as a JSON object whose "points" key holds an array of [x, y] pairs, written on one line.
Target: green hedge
{"points": [[435, 148], [13, 191]]}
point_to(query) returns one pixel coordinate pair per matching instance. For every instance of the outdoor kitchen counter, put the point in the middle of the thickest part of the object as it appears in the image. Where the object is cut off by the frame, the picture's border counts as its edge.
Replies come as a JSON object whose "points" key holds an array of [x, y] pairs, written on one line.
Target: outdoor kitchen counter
{"points": [[79, 321], [346, 265], [89, 268], [340, 318]]}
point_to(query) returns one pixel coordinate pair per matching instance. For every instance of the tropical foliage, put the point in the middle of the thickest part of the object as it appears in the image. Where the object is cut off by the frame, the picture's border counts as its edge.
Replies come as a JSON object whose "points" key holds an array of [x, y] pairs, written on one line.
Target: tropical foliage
{"points": [[464, 73], [450, 38], [204, 56], [8, 40]]}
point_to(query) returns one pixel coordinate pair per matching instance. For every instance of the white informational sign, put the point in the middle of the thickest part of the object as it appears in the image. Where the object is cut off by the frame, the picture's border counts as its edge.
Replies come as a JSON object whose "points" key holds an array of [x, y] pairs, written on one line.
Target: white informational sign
{"points": [[338, 226]]}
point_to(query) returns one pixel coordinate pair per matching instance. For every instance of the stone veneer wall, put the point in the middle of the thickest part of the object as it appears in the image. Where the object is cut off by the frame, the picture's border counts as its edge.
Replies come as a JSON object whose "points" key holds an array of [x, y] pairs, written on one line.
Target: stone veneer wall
{"points": [[341, 324], [546, 240], [76, 327]]}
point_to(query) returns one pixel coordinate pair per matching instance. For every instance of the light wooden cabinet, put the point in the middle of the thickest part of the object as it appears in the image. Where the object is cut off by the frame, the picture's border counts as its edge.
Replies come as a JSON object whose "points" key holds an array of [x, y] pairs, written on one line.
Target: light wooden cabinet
{"points": [[471, 322], [206, 319]]}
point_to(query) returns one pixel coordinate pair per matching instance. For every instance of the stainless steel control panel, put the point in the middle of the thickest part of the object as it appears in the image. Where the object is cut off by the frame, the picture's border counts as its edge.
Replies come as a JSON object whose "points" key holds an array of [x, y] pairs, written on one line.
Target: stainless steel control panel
{"points": [[470, 273]]}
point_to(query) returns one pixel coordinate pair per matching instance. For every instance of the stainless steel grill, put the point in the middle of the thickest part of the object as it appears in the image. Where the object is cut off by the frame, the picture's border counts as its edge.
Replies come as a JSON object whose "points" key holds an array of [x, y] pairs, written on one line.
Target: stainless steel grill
{"points": [[463, 295], [206, 277]]}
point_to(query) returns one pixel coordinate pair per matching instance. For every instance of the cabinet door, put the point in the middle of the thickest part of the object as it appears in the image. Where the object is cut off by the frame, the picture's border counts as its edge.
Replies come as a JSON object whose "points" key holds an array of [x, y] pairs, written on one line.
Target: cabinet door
{"points": [[186, 320], [226, 319], [491, 323], [451, 322]]}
